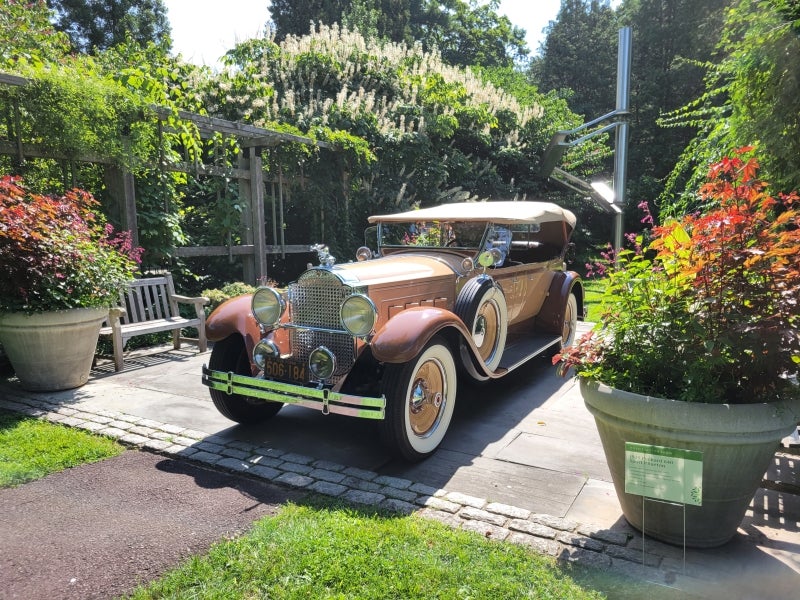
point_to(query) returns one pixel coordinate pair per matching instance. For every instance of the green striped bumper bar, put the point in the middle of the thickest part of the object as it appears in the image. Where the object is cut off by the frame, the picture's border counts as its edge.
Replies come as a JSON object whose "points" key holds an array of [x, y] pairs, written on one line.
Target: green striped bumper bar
{"points": [[324, 400]]}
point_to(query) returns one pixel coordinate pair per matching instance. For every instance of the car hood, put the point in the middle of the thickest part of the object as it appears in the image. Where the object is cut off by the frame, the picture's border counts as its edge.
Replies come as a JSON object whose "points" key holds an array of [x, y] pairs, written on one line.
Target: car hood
{"points": [[398, 268]]}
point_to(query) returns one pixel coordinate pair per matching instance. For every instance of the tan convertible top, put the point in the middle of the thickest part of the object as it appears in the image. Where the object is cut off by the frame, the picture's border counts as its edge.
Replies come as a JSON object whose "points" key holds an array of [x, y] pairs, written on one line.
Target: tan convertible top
{"points": [[504, 211]]}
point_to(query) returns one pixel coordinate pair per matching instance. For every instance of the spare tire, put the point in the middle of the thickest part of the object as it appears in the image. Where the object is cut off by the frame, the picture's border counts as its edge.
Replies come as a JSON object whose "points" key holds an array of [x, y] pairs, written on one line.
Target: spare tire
{"points": [[482, 306]]}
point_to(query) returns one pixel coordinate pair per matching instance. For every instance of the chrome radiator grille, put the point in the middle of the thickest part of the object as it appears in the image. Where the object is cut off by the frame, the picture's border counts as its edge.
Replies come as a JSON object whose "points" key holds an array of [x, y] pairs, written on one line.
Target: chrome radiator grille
{"points": [[314, 300]]}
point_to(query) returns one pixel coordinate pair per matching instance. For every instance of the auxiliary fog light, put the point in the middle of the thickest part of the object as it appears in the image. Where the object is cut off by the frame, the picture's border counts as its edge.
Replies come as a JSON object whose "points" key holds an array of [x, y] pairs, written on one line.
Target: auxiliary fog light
{"points": [[264, 349], [268, 306], [358, 315], [322, 363]]}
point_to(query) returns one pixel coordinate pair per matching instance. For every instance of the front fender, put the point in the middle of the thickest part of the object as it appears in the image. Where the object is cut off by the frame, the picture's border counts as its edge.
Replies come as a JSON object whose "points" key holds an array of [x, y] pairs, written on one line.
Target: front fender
{"points": [[234, 316], [406, 334]]}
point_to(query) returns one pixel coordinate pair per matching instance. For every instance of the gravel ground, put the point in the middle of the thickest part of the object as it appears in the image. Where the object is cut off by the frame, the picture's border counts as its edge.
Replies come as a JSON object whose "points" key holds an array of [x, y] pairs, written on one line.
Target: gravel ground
{"points": [[99, 530]]}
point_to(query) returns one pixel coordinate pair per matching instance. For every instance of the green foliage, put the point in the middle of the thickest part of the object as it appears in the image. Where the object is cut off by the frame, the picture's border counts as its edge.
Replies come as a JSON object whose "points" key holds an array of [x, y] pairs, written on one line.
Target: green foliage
{"points": [[94, 25], [58, 253], [27, 36], [314, 552], [31, 449], [217, 296], [706, 311], [751, 97]]}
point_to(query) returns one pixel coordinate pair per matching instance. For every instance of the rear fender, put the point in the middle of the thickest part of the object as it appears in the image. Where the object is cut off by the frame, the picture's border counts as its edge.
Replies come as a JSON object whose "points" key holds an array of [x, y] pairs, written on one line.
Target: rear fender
{"points": [[550, 316], [234, 316], [405, 335]]}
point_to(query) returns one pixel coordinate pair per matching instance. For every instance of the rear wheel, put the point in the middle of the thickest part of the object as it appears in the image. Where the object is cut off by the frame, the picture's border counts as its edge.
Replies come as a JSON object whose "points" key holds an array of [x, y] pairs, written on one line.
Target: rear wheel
{"points": [[230, 355], [420, 398], [570, 324]]}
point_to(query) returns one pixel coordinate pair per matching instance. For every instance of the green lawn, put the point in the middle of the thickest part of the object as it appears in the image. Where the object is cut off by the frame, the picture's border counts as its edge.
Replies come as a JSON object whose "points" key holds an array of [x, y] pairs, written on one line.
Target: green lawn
{"points": [[593, 289], [30, 448]]}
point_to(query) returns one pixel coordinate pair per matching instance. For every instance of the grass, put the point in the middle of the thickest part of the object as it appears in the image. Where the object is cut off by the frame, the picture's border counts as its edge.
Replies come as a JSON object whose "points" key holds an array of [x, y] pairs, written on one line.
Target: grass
{"points": [[593, 292], [324, 551], [30, 448]]}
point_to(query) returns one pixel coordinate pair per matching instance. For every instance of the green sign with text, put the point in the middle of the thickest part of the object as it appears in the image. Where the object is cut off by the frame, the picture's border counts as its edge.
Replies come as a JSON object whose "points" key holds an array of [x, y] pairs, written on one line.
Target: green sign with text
{"points": [[664, 473]]}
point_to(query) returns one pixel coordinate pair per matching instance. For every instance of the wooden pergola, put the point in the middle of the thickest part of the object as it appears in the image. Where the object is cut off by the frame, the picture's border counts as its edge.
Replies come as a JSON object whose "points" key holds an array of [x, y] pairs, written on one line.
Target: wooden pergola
{"points": [[249, 174]]}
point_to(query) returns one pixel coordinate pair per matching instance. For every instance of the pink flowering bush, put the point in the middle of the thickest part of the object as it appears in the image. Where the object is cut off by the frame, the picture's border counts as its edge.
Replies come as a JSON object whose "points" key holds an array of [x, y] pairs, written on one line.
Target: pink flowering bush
{"points": [[57, 253]]}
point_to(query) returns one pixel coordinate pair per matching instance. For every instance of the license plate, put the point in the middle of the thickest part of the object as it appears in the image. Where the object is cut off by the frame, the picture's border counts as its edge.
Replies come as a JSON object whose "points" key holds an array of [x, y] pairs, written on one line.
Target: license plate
{"points": [[285, 371]]}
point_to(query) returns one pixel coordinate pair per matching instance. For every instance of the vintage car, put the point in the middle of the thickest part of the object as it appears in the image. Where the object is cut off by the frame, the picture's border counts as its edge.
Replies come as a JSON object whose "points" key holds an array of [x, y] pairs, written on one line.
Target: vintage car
{"points": [[468, 290]]}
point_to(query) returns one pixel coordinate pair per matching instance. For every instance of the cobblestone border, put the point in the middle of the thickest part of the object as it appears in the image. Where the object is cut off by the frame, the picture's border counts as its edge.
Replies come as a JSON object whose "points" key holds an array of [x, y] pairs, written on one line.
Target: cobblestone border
{"points": [[565, 540]]}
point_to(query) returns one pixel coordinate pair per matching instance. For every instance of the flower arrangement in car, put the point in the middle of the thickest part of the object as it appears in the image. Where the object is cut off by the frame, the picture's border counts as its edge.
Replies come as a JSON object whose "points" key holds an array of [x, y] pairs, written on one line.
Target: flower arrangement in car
{"points": [[704, 308], [58, 252]]}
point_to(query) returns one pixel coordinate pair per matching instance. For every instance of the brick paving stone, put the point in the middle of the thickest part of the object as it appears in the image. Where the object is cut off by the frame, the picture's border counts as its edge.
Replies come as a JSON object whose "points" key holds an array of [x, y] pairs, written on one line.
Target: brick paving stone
{"points": [[72, 422], [184, 441], [264, 461], [100, 419], [139, 430], [476, 514], [92, 426], [360, 497], [157, 445], [604, 535], [360, 473], [629, 554], [119, 424], [447, 518], [65, 410], [194, 434], [271, 452], [328, 488], [55, 417], [113, 432], [234, 464], [328, 465], [301, 459], [209, 447], [508, 510], [206, 457], [487, 530], [234, 453], [150, 423], [243, 446], [466, 500], [398, 494], [133, 439], [296, 468], [398, 506], [438, 504], [572, 539], [294, 479], [162, 435], [360, 484], [586, 558], [326, 475], [655, 547], [554, 522], [531, 528], [541, 545], [184, 451], [395, 482], [265, 472], [173, 429], [427, 490]]}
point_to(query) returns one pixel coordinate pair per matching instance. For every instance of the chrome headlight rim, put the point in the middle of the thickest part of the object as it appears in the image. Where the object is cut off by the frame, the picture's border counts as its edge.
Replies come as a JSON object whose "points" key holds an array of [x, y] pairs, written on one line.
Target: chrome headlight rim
{"points": [[328, 368], [267, 306], [263, 350], [360, 323]]}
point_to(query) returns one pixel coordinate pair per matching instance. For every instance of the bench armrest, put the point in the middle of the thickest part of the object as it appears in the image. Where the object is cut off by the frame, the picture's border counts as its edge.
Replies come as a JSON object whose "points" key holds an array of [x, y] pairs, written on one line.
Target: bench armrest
{"points": [[201, 300], [115, 314]]}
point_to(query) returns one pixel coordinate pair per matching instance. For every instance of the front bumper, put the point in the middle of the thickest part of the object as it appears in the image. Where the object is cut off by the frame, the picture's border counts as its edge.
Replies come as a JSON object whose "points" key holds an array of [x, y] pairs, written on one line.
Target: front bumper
{"points": [[324, 400]]}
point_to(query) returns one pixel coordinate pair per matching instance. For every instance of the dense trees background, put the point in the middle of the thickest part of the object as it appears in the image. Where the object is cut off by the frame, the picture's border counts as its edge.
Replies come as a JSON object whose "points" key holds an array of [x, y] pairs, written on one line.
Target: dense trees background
{"points": [[420, 101]]}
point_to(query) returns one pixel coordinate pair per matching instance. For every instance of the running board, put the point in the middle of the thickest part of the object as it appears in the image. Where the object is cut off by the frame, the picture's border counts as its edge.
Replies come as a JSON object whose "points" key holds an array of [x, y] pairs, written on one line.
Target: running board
{"points": [[518, 354]]}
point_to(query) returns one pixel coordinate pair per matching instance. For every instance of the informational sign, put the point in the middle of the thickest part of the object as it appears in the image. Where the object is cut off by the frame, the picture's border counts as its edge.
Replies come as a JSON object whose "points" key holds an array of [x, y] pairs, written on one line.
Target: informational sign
{"points": [[670, 474]]}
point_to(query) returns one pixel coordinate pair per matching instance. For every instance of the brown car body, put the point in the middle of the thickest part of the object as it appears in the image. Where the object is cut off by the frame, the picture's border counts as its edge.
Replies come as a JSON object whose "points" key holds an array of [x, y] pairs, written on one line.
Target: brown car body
{"points": [[429, 301]]}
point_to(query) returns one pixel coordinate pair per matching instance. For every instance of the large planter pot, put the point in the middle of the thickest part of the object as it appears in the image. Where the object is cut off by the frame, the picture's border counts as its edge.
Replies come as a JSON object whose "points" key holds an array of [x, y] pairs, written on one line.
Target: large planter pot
{"points": [[737, 442], [52, 350]]}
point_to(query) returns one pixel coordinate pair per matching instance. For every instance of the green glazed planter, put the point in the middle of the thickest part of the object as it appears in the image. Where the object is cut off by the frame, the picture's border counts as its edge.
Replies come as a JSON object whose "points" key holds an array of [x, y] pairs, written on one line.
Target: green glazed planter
{"points": [[53, 350], [737, 442]]}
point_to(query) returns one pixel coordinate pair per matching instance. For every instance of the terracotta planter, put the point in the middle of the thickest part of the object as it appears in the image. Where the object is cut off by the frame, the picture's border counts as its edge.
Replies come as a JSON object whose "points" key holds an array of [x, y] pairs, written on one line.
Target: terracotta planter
{"points": [[53, 350], [737, 442]]}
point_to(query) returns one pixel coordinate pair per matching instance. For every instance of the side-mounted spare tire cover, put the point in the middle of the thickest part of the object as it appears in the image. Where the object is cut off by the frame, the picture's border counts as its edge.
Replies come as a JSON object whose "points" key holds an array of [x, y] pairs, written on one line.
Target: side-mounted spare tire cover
{"points": [[482, 306]]}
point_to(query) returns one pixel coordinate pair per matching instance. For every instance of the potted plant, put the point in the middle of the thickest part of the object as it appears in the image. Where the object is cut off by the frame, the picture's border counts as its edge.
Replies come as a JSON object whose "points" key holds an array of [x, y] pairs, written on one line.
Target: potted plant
{"points": [[698, 349], [62, 267]]}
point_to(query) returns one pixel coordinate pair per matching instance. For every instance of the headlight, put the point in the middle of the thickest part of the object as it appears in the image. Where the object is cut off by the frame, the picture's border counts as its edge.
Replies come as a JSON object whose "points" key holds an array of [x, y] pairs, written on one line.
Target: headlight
{"points": [[358, 315], [268, 306], [322, 363], [263, 351]]}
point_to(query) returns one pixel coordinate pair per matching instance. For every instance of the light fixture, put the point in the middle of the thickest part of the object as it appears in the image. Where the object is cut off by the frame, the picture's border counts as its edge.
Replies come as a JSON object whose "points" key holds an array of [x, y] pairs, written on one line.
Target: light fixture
{"points": [[606, 193]]}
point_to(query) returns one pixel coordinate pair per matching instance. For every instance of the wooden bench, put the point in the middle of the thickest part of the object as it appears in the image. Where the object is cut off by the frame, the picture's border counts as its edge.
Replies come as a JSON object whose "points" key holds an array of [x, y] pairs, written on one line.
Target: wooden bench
{"points": [[150, 305]]}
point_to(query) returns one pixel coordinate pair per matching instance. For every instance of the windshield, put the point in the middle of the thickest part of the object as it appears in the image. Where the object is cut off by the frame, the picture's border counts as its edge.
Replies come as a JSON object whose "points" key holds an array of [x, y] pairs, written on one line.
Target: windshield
{"points": [[432, 234]]}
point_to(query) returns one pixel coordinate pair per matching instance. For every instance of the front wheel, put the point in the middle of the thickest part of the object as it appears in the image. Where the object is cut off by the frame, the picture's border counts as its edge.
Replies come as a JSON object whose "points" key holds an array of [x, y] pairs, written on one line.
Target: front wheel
{"points": [[230, 355], [420, 398], [570, 324]]}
